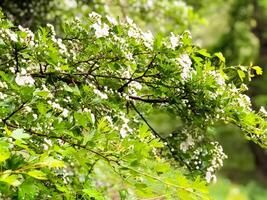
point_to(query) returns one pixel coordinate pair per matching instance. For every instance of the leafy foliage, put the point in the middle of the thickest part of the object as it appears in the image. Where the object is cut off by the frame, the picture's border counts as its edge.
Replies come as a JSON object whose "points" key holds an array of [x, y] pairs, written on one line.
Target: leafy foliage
{"points": [[79, 112]]}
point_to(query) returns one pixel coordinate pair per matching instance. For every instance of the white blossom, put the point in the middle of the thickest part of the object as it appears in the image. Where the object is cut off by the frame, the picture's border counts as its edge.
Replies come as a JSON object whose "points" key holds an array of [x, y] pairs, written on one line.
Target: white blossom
{"points": [[94, 15], [112, 20], [2, 95], [56, 106], [125, 129], [150, 3], [244, 101], [174, 41], [12, 36], [148, 39], [127, 73], [135, 85], [185, 63], [123, 132], [129, 20], [185, 145], [100, 94], [101, 30], [133, 33], [3, 85], [65, 112], [263, 111], [23, 71], [28, 108], [218, 77], [35, 116], [70, 3], [210, 177], [52, 29], [22, 80]]}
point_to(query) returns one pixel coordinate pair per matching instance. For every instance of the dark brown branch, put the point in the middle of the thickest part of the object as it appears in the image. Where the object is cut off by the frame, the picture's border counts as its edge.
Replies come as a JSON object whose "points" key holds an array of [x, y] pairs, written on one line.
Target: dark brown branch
{"points": [[16, 60], [133, 79], [64, 139], [14, 112], [147, 100], [155, 133]]}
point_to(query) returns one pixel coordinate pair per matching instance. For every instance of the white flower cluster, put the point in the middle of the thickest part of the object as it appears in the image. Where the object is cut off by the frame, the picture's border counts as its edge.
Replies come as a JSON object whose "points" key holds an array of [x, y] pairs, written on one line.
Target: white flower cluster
{"points": [[86, 110], [12, 36], [3, 85], [56, 106], [2, 95], [218, 77], [102, 95], [125, 129], [174, 40], [58, 41], [263, 111], [112, 20], [23, 79], [101, 29], [185, 145], [216, 163], [138, 34], [133, 87], [29, 36], [70, 4], [47, 144], [244, 101], [185, 64]]}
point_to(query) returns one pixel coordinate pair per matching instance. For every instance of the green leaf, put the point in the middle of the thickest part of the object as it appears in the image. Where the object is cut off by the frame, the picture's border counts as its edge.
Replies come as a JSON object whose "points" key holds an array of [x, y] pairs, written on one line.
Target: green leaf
{"points": [[28, 190], [4, 149], [93, 193], [10, 179], [204, 52], [241, 74], [81, 119], [258, 70], [42, 108], [37, 174], [220, 56], [52, 163]]}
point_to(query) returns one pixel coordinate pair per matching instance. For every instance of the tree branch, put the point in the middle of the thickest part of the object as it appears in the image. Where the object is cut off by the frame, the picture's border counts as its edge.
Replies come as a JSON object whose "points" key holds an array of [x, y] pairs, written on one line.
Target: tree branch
{"points": [[175, 156], [14, 112], [150, 100]]}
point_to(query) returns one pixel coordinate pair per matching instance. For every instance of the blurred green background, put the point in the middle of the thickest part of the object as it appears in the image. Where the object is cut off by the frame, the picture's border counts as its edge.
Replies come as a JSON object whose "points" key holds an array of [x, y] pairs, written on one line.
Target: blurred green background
{"points": [[237, 28]]}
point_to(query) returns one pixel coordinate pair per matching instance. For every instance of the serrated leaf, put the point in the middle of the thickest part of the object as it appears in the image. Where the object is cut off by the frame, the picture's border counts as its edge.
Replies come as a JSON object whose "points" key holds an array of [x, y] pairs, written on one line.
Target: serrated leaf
{"points": [[52, 163], [241, 74], [220, 56], [8, 132], [37, 174], [27, 190], [4, 151], [11, 180], [204, 52], [258, 70], [93, 193]]}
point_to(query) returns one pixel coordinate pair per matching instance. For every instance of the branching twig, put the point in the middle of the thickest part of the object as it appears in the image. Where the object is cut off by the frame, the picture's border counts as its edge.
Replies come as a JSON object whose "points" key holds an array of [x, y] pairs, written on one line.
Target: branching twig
{"points": [[14, 112], [175, 156], [147, 100]]}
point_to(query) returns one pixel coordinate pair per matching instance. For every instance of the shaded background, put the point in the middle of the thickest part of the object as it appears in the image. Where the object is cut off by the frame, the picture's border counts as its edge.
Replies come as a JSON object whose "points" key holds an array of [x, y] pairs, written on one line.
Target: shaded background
{"points": [[237, 28]]}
